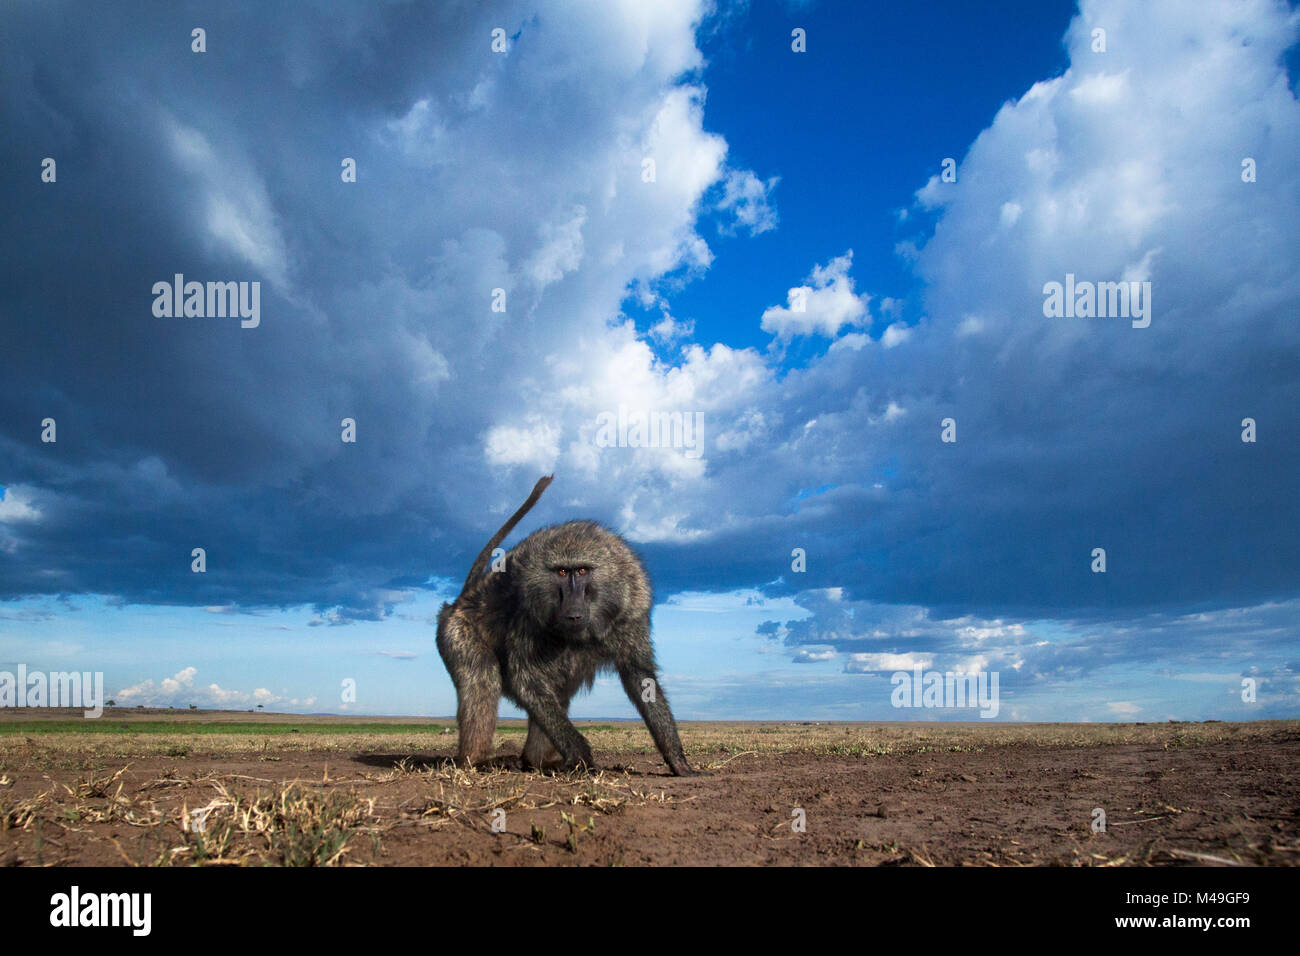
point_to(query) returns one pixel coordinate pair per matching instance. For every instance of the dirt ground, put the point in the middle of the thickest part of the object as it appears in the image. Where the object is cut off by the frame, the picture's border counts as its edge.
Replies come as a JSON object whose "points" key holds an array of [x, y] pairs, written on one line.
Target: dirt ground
{"points": [[867, 794]]}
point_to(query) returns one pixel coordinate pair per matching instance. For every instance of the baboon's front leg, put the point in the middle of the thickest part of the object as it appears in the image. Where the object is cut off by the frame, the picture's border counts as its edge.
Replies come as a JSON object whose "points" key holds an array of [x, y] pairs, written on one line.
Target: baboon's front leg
{"points": [[641, 682], [546, 708]]}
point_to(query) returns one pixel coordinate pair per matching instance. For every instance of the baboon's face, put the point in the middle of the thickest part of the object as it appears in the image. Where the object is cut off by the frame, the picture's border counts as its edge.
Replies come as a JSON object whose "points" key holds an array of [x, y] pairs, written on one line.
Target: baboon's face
{"points": [[576, 591]]}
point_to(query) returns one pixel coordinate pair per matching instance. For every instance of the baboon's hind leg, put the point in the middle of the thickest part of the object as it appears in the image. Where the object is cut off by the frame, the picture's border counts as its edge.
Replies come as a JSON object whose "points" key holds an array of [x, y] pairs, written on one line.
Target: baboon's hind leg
{"points": [[477, 675], [476, 717]]}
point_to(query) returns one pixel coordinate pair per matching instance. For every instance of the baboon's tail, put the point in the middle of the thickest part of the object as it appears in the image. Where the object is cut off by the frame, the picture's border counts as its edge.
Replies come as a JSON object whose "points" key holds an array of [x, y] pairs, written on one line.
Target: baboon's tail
{"points": [[481, 562]]}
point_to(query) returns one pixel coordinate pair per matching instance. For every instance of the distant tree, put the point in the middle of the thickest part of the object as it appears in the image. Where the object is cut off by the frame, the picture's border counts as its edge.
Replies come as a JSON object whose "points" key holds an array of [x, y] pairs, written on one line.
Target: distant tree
{"points": [[111, 703], [193, 707], [259, 706]]}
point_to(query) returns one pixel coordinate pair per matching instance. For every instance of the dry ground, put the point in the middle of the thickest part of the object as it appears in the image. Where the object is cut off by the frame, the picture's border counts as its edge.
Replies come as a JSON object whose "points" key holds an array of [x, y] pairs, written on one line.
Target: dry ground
{"points": [[327, 792]]}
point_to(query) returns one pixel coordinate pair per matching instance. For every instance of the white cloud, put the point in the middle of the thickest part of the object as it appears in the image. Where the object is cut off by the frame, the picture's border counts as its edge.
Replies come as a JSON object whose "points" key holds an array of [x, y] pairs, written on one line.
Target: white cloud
{"points": [[16, 508], [896, 334], [180, 690], [892, 413], [420, 134], [668, 329], [1130, 151], [535, 445], [875, 663], [687, 162], [746, 197], [822, 307], [853, 341], [561, 249], [236, 207], [1101, 89], [16, 505]]}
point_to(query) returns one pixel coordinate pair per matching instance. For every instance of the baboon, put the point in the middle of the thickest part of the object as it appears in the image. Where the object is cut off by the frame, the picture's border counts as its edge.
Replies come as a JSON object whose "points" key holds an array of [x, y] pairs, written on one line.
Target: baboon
{"points": [[572, 600]]}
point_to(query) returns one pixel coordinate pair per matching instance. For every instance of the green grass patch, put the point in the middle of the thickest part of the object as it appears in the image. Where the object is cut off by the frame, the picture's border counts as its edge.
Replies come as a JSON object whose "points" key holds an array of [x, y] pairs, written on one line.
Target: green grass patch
{"points": [[253, 728], [34, 727]]}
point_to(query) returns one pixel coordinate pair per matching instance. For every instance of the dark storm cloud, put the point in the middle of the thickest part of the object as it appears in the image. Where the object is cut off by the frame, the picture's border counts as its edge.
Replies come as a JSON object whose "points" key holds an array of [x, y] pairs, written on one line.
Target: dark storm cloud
{"points": [[224, 166], [478, 172]]}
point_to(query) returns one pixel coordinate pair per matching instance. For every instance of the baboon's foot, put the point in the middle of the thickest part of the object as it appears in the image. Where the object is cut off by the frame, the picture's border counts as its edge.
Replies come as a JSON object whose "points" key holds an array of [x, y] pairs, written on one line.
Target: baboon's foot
{"points": [[473, 762]]}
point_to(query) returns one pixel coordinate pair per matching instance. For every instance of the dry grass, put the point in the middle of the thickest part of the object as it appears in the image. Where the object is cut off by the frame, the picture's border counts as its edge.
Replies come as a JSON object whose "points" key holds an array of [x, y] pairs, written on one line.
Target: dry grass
{"points": [[209, 818], [471, 796], [21, 813], [289, 825], [73, 750], [879, 739], [72, 790]]}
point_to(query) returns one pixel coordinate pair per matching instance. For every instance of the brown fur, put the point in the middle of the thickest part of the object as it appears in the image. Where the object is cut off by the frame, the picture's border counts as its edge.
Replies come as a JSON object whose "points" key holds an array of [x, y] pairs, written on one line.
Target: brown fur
{"points": [[573, 600]]}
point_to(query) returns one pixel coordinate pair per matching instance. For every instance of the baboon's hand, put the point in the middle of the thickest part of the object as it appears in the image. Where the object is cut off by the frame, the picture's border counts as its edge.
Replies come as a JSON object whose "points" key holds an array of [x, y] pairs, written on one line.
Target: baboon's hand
{"points": [[583, 760]]}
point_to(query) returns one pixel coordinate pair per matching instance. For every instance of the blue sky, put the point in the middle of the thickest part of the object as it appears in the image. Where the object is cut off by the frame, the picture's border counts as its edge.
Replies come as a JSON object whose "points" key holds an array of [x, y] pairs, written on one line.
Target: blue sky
{"points": [[778, 175]]}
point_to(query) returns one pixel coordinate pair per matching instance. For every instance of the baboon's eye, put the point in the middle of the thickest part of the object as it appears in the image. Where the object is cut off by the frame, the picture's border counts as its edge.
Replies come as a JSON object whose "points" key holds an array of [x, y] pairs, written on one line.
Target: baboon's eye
{"points": [[562, 572], [582, 570]]}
